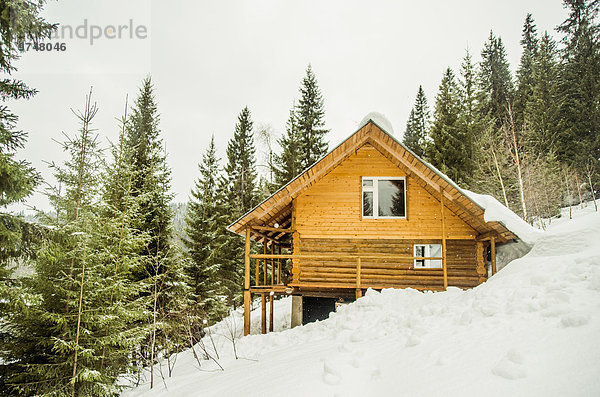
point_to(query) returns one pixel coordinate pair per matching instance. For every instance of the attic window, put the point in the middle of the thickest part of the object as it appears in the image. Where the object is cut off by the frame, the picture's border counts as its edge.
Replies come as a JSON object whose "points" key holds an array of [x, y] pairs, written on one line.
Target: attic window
{"points": [[384, 197]]}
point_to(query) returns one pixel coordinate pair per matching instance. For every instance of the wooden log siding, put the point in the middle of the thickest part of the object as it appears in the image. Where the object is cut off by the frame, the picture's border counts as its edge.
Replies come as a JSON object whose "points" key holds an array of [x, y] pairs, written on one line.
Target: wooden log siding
{"points": [[332, 207], [379, 273]]}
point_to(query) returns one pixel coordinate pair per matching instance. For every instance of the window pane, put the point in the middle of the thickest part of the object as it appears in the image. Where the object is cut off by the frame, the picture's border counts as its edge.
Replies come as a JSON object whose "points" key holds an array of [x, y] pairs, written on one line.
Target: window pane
{"points": [[367, 203], [391, 197], [435, 251], [367, 182], [420, 252]]}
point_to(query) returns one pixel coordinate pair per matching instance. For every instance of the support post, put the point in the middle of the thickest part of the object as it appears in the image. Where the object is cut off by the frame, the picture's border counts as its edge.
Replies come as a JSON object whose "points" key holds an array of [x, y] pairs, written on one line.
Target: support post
{"points": [[265, 264], [481, 271], [263, 318], [247, 295], [493, 249], [358, 270], [271, 296], [272, 265], [444, 267], [279, 265], [257, 275]]}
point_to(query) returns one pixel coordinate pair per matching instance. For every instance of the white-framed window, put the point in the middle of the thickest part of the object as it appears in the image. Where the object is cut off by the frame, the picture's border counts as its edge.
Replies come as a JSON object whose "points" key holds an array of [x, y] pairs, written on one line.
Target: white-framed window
{"points": [[383, 197], [428, 251]]}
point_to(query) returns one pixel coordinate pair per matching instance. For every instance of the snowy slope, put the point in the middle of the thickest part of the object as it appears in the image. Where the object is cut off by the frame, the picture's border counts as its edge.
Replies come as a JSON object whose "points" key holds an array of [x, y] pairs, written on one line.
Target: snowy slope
{"points": [[531, 330]]}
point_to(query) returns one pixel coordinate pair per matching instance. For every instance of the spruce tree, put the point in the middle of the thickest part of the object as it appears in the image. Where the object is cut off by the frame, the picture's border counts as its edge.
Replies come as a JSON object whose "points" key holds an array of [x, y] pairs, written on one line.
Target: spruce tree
{"points": [[417, 125], [541, 112], [288, 163], [151, 175], [204, 222], [162, 273], [447, 150], [524, 91], [310, 115], [18, 179], [240, 169], [469, 123], [73, 336], [495, 81], [579, 86], [239, 185]]}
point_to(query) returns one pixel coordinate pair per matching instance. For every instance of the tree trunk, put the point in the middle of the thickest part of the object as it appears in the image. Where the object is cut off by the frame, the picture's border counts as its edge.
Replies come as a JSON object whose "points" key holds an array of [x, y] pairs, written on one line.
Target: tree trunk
{"points": [[499, 175]]}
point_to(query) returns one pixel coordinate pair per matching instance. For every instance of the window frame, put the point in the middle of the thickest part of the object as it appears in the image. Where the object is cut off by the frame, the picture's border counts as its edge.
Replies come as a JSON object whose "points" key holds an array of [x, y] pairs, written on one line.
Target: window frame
{"points": [[427, 262], [375, 190]]}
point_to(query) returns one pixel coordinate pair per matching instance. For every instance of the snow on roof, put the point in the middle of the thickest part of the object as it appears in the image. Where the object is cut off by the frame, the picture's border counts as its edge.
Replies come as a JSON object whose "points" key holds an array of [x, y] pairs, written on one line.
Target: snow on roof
{"points": [[379, 119], [496, 212]]}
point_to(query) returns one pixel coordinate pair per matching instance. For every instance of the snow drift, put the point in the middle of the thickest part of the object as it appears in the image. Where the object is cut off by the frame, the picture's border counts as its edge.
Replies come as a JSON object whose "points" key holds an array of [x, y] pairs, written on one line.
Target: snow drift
{"points": [[531, 330]]}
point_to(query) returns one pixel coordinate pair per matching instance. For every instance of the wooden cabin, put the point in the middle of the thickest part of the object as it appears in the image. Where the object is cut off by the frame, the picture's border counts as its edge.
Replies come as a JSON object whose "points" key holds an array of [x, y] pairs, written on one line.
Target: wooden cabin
{"points": [[369, 214]]}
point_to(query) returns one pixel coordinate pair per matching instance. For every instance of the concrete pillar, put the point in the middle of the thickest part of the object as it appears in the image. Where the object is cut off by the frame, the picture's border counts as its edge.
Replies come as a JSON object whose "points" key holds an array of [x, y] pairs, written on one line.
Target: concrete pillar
{"points": [[296, 310]]}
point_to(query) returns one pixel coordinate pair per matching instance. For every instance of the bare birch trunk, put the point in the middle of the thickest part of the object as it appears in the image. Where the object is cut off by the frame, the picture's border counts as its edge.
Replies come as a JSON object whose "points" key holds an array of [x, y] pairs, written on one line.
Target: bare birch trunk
{"points": [[579, 190], [589, 174], [568, 194], [499, 175]]}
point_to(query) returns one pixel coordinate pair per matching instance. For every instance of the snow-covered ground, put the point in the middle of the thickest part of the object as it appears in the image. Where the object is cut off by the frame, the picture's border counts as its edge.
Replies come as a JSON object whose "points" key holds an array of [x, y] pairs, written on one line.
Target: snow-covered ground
{"points": [[531, 330]]}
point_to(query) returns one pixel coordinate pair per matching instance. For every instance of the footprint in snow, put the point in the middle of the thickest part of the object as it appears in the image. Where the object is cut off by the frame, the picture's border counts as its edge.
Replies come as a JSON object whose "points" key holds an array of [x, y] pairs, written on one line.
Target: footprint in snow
{"points": [[574, 320], [413, 340], [511, 366], [331, 375]]}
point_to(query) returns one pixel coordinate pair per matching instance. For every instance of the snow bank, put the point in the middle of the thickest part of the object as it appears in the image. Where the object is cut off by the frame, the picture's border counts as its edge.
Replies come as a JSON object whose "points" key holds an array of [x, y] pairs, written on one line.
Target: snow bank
{"points": [[496, 212], [531, 330], [378, 119]]}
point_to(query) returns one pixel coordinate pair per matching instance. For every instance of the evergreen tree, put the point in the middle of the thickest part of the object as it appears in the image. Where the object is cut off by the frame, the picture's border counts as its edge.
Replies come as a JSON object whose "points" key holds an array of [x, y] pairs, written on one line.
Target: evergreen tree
{"points": [[73, 336], [241, 166], [310, 115], [240, 195], [579, 86], [288, 163], [19, 22], [417, 125], [495, 81], [204, 223], [529, 43], [469, 123], [447, 150], [151, 175], [162, 273], [541, 112]]}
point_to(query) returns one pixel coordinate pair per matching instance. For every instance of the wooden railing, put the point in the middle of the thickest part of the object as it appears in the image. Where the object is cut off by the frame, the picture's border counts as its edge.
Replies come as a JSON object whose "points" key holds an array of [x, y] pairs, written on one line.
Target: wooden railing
{"points": [[272, 265]]}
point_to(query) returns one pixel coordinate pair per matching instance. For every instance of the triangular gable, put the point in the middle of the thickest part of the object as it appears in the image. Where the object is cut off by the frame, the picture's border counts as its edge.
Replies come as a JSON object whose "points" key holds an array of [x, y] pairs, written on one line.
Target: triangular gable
{"points": [[277, 209]]}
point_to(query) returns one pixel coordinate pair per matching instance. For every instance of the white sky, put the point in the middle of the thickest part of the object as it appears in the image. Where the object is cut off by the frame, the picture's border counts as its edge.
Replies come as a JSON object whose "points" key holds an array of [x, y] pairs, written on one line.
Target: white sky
{"points": [[209, 59]]}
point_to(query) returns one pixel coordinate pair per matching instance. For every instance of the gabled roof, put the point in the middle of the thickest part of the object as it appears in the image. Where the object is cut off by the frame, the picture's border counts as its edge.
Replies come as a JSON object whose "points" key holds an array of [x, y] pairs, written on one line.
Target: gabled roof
{"points": [[277, 209]]}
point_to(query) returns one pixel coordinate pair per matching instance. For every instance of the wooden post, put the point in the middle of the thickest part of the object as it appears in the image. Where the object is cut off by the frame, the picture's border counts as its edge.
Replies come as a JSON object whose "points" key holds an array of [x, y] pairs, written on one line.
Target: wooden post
{"points": [[271, 296], [272, 265], [247, 296], [445, 269], [257, 275], [279, 265], [265, 263], [358, 288], [493, 249], [481, 270], [296, 262], [263, 318]]}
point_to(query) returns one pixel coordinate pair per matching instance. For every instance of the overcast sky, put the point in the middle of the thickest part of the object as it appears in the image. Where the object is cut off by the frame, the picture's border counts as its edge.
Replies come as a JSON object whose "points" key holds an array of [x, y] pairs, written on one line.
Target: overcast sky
{"points": [[209, 59]]}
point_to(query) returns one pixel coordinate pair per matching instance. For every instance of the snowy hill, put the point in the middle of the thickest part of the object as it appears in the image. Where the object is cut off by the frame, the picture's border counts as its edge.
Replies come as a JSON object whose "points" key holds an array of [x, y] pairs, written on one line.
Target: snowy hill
{"points": [[531, 330]]}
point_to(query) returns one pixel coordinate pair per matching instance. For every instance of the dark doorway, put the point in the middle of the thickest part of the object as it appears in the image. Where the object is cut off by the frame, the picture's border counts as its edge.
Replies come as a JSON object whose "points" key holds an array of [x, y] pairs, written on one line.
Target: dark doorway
{"points": [[314, 308]]}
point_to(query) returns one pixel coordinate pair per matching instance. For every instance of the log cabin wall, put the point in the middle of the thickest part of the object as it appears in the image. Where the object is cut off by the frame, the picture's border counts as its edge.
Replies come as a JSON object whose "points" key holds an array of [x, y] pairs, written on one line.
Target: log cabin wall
{"points": [[328, 219]]}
